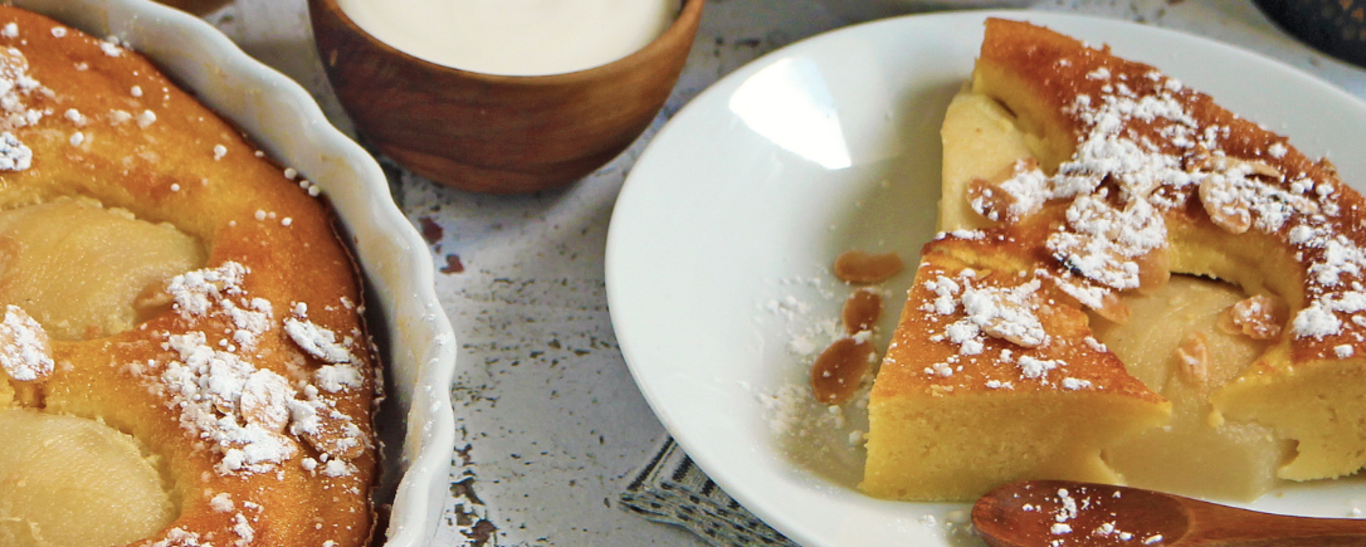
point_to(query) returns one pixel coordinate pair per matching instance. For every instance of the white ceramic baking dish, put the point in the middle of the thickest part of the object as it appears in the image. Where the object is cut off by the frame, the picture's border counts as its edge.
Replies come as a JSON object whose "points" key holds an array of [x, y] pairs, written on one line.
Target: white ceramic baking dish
{"points": [[282, 119]]}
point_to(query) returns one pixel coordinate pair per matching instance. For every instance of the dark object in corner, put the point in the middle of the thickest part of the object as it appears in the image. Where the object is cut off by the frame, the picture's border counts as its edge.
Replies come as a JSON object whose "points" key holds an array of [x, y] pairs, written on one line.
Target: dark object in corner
{"points": [[1336, 27]]}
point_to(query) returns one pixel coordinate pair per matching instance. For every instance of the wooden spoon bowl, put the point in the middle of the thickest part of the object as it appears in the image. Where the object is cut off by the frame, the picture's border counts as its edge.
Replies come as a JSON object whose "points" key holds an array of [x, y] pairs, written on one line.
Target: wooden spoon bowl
{"points": [[492, 133], [1058, 513]]}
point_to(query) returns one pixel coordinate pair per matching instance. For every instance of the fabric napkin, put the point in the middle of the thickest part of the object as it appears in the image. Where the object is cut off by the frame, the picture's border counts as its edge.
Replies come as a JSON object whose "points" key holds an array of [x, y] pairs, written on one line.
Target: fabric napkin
{"points": [[671, 489]]}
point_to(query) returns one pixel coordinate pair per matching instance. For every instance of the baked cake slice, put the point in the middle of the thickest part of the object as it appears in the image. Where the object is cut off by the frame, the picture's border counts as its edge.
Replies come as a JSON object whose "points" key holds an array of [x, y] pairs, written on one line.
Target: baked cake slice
{"points": [[968, 396], [1087, 181]]}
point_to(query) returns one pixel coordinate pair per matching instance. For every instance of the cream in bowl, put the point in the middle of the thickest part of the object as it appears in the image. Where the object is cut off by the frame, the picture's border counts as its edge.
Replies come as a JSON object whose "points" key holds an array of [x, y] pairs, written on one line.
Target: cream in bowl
{"points": [[515, 37], [509, 96]]}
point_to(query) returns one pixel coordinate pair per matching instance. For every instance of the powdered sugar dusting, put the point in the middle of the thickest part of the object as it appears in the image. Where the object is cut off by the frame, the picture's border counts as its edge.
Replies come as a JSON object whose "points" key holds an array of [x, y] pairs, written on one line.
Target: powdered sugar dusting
{"points": [[1083, 511], [17, 90], [1104, 241], [246, 413], [1142, 154], [179, 537], [1321, 317], [1028, 189], [1036, 369], [14, 156], [196, 292], [317, 341], [1068, 506], [337, 468], [245, 533], [1105, 234], [24, 352], [251, 321], [1000, 312], [222, 503], [110, 47], [334, 378], [968, 309], [207, 386], [1073, 384], [146, 118]]}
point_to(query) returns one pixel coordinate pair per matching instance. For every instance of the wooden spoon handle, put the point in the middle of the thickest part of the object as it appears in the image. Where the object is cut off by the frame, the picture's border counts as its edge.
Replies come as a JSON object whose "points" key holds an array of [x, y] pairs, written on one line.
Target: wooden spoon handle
{"points": [[1214, 525]]}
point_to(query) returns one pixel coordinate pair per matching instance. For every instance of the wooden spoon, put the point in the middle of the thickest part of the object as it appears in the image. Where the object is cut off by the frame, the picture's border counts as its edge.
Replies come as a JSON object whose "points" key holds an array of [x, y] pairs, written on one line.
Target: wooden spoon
{"points": [[1066, 513]]}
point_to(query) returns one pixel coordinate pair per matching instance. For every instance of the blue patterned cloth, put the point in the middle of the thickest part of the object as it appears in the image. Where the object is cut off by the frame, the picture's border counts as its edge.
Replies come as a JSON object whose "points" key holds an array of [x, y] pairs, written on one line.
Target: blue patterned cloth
{"points": [[671, 489]]}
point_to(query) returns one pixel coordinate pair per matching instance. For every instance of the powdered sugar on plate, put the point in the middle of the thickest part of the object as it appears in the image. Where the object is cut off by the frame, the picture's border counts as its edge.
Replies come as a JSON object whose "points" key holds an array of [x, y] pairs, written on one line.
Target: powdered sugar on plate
{"points": [[826, 439], [824, 431]]}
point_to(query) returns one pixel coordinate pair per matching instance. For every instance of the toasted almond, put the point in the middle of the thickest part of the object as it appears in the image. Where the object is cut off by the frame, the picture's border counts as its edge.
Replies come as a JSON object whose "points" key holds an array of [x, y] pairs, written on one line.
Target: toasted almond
{"points": [[1079, 292], [1226, 207], [1259, 317], [1193, 359], [856, 266], [861, 311], [1262, 168], [265, 400], [989, 200], [336, 436], [1154, 270], [841, 369]]}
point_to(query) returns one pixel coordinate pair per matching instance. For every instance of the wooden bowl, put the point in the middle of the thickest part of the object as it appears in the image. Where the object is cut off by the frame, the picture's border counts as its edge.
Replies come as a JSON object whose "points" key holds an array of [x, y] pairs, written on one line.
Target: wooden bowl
{"points": [[491, 133]]}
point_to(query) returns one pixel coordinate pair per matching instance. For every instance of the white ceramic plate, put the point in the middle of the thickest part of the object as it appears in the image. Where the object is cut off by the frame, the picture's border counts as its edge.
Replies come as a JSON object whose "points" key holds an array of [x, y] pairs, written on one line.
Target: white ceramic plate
{"points": [[718, 253], [283, 120]]}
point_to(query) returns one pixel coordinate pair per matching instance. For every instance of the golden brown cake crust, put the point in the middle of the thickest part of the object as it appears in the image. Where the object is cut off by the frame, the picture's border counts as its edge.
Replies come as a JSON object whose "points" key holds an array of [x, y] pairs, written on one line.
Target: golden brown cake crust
{"points": [[1050, 70], [1137, 178], [1304, 213], [113, 128], [922, 337]]}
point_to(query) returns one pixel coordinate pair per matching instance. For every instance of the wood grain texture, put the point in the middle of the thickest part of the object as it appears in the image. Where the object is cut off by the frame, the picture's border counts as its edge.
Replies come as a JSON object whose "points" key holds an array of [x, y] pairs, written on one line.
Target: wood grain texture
{"points": [[1033, 514], [490, 133]]}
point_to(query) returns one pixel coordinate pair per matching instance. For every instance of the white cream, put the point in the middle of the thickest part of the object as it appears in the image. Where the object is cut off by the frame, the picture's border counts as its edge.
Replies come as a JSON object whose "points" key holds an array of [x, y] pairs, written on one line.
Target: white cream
{"points": [[515, 37]]}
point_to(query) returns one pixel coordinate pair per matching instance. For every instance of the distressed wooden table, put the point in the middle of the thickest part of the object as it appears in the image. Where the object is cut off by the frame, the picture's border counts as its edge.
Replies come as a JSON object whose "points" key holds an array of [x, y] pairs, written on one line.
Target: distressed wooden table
{"points": [[550, 423]]}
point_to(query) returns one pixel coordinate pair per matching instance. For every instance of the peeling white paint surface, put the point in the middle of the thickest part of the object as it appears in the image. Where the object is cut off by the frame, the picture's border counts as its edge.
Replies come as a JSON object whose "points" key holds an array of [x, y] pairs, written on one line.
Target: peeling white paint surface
{"points": [[550, 423]]}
